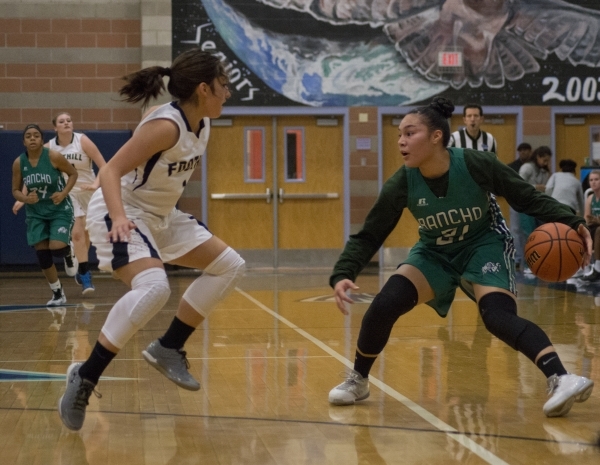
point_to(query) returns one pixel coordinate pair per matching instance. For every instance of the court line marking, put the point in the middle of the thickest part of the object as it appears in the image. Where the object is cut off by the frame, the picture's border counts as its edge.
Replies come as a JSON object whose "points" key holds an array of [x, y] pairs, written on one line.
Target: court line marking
{"points": [[451, 432], [68, 360]]}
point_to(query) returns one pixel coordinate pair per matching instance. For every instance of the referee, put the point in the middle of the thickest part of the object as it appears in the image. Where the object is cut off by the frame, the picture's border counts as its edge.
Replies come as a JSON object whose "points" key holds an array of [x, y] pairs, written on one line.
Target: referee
{"points": [[471, 137]]}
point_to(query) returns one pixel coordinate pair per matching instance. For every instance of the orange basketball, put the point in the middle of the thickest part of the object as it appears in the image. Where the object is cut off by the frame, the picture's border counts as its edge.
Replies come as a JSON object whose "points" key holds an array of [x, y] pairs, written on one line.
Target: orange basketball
{"points": [[554, 252]]}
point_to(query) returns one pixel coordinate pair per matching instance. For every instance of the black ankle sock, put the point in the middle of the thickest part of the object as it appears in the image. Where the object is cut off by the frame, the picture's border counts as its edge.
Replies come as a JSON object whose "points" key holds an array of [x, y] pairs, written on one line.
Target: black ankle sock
{"points": [[550, 364], [363, 364], [83, 268], [97, 362], [176, 335]]}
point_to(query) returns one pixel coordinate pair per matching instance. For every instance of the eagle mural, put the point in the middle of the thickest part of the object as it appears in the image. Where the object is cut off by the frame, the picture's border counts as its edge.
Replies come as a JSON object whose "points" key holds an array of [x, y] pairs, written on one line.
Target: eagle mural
{"points": [[500, 39], [387, 52]]}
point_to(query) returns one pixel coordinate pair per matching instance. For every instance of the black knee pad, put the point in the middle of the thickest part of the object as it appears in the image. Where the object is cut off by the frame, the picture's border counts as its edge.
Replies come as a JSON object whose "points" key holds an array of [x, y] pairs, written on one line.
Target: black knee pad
{"points": [[398, 296], [499, 314], [44, 257], [61, 253]]}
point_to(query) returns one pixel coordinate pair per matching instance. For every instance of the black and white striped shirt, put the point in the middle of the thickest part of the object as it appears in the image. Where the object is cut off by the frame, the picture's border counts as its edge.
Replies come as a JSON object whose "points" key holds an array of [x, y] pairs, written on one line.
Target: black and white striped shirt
{"points": [[485, 142]]}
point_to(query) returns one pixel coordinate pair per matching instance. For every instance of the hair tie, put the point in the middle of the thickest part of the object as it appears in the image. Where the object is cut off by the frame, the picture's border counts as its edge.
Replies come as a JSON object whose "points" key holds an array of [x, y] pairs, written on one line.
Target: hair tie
{"points": [[34, 126], [166, 71]]}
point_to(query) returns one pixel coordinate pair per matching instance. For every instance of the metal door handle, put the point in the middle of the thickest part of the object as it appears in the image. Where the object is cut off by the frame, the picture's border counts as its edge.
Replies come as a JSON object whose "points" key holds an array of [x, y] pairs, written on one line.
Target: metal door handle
{"points": [[240, 196], [326, 195]]}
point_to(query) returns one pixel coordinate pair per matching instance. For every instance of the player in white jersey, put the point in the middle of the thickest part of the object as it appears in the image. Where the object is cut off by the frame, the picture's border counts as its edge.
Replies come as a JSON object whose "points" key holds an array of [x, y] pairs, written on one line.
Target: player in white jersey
{"points": [[157, 184], [80, 152], [472, 136], [135, 226]]}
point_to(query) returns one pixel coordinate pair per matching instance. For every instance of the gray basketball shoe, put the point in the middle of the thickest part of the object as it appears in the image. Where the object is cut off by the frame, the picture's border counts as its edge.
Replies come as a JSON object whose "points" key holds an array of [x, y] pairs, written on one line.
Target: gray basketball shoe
{"points": [[354, 388], [72, 405], [172, 363]]}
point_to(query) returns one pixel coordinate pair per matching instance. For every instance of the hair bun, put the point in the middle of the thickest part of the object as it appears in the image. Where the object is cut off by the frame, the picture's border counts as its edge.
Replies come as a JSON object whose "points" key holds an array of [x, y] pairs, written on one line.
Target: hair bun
{"points": [[443, 106]]}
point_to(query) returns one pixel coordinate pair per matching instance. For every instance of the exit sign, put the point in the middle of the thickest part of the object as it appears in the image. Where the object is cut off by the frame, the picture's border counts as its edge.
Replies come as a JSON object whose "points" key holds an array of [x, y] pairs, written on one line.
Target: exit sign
{"points": [[450, 59]]}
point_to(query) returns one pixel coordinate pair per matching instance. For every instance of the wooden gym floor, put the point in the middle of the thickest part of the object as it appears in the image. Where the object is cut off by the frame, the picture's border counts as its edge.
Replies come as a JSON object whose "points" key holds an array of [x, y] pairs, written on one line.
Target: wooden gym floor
{"points": [[443, 392]]}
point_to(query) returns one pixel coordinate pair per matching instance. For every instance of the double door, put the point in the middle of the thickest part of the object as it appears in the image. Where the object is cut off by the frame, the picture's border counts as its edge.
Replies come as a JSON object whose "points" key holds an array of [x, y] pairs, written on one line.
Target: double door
{"points": [[275, 189]]}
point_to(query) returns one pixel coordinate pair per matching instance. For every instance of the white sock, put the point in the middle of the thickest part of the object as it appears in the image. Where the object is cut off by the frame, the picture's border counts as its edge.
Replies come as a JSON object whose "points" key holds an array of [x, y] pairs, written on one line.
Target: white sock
{"points": [[55, 286]]}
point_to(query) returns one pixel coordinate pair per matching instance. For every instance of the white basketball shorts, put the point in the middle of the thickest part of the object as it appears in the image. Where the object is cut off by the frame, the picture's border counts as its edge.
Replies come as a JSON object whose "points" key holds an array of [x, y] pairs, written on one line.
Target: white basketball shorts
{"points": [[165, 238], [80, 202]]}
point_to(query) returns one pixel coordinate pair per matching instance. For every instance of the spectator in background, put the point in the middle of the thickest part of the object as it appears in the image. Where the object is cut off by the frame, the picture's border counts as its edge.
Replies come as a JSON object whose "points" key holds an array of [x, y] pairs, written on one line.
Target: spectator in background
{"points": [[592, 218], [523, 156], [535, 172], [565, 187], [471, 136]]}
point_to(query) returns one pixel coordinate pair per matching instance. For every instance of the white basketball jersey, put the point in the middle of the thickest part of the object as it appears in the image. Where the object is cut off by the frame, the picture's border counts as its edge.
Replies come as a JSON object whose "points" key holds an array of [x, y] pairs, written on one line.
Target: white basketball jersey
{"points": [[78, 158], [156, 185]]}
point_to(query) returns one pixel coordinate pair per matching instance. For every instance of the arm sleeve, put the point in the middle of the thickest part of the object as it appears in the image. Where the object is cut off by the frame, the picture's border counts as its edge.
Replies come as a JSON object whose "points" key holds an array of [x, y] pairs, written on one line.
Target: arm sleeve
{"points": [[499, 179], [380, 222]]}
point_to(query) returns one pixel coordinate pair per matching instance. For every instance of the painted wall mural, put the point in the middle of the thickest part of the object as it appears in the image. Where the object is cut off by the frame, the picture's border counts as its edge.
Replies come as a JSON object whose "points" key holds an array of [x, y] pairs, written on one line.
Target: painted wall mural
{"points": [[399, 52]]}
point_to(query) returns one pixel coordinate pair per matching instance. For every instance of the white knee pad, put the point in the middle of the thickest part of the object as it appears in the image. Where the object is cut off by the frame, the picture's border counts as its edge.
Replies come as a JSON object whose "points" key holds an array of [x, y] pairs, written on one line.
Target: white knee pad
{"points": [[149, 293], [217, 280]]}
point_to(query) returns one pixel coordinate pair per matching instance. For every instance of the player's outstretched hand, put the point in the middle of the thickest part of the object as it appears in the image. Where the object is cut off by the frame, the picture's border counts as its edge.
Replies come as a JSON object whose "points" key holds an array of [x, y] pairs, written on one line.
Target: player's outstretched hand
{"points": [[121, 230], [587, 240], [341, 296]]}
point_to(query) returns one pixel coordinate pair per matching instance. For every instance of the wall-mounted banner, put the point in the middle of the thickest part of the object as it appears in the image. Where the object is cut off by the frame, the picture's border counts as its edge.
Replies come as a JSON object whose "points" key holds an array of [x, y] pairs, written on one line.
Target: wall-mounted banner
{"points": [[399, 52]]}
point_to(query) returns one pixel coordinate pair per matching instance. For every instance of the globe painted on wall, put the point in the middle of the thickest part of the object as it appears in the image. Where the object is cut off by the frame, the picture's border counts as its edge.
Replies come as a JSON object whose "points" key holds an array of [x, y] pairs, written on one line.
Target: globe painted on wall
{"points": [[319, 69]]}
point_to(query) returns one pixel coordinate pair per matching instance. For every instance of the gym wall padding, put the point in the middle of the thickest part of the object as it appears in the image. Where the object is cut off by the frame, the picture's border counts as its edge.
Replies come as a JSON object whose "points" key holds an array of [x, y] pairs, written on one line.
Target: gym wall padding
{"points": [[13, 241]]}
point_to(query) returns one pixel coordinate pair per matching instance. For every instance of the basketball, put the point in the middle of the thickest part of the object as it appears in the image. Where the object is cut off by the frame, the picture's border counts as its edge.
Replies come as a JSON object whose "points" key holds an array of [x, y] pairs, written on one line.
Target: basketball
{"points": [[554, 252]]}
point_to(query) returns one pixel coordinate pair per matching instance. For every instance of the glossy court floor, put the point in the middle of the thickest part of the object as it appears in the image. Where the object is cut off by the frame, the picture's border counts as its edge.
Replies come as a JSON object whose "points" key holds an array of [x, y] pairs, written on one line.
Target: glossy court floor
{"points": [[443, 392]]}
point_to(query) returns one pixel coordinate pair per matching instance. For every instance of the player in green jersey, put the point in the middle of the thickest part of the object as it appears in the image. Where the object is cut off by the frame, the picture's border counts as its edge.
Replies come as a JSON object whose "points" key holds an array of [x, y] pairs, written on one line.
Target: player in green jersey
{"points": [[592, 216], [38, 182], [464, 242]]}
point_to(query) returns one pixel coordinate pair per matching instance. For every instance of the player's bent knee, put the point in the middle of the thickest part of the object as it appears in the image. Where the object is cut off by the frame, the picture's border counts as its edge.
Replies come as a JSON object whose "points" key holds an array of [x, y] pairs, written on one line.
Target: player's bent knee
{"points": [[44, 257], [217, 280], [155, 285], [499, 314], [397, 297], [149, 293], [61, 253]]}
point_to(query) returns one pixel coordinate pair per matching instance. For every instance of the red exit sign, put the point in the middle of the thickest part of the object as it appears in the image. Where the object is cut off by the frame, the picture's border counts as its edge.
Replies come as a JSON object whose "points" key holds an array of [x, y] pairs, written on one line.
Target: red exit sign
{"points": [[450, 59]]}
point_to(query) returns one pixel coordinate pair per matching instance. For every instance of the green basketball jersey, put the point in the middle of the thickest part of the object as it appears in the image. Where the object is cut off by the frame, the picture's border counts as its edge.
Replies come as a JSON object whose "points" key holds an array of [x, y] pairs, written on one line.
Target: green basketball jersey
{"points": [[464, 214], [595, 206], [44, 179]]}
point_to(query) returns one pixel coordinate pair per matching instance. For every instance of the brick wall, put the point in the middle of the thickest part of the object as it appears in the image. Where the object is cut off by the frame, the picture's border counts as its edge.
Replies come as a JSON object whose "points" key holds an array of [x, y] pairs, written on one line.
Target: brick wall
{"points": [[364, 164], [68, 57]]}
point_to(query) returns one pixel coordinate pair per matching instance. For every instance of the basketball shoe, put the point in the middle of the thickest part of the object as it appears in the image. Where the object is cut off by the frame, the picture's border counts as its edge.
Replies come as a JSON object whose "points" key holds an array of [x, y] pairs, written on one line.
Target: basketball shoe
{"points": [[593, 276], [58, 298], [72, 405], [71, 262], [172, 363], [564, 390], [85, 281], [354, 388]]}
